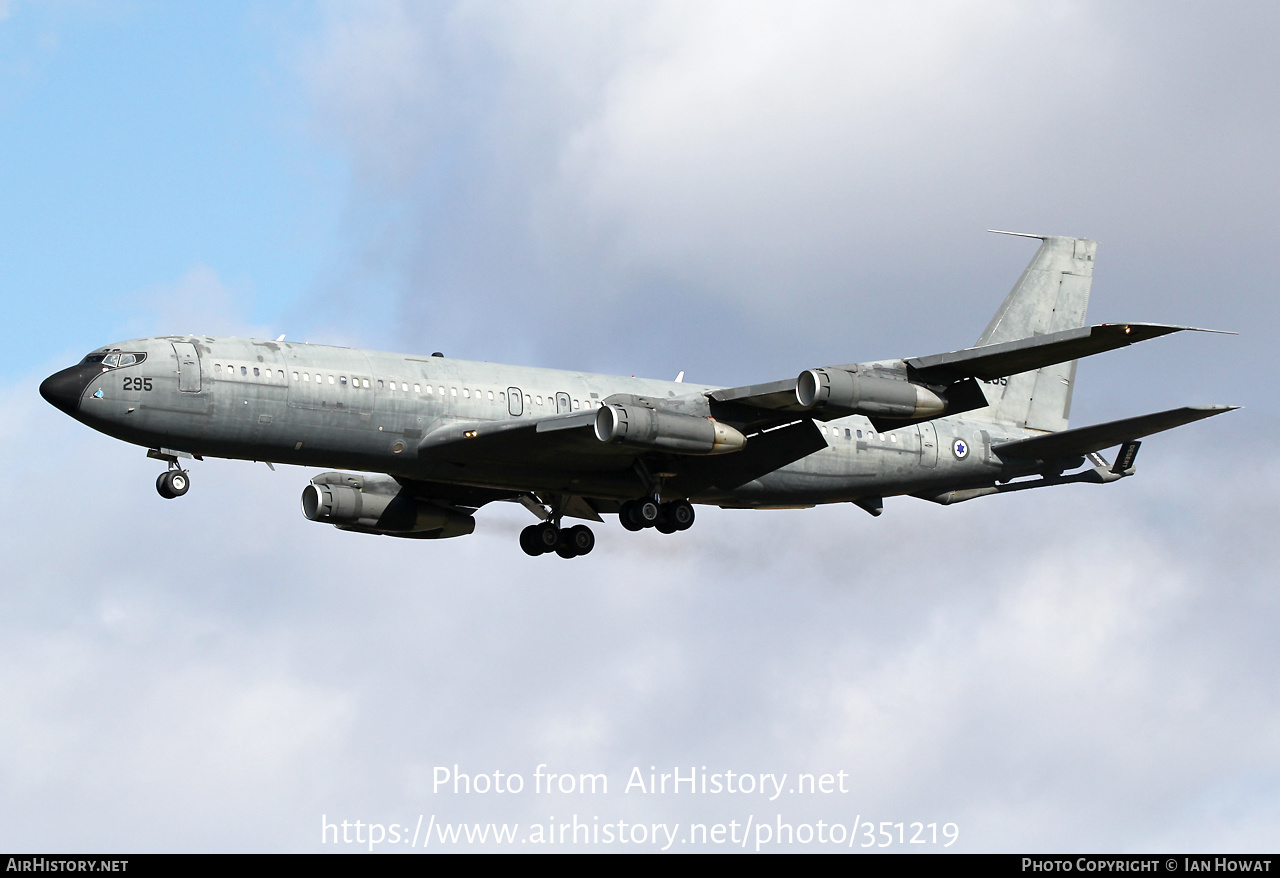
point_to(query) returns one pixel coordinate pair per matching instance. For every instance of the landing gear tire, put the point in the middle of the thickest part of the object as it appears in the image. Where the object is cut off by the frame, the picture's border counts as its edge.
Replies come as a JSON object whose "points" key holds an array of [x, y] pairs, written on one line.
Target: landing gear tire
{"points": [[680, 514], [529, 540], [640, 514], [575, 541], [546, 537], [173, 483], [625, 518], [580, 539]]}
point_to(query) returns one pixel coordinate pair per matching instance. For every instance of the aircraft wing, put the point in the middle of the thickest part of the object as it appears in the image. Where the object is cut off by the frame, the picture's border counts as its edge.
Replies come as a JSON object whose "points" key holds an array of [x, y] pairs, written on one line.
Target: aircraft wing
{"points": [[1086, 440], [776, 396], [566, 445], [520, 440], [1009, 358], [955, 373]]}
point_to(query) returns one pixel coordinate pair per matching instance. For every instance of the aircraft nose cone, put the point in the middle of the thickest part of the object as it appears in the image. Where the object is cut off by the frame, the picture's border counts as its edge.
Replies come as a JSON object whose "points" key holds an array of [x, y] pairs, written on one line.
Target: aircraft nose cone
{"points": [[63, 389]]}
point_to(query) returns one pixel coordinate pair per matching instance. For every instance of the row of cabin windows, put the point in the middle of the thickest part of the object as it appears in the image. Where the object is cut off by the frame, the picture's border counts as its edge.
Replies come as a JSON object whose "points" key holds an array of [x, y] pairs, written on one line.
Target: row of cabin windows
{"points": [[387, 384], [258, 372], [848, 434]]}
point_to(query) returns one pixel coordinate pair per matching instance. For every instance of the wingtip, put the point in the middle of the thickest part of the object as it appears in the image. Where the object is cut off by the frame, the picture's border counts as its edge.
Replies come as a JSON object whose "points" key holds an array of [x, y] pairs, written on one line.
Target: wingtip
{"points": [[1169, 327], [1203, 329], [1017, 234]]}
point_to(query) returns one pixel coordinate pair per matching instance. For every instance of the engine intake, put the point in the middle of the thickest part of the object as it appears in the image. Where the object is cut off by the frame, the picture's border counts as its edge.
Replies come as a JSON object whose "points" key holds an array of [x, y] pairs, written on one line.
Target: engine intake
{"points": [[644, 427], [853, 393]]}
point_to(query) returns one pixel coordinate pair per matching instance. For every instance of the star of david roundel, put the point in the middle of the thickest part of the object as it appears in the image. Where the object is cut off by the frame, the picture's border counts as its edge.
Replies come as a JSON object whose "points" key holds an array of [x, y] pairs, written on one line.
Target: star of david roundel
{"points": [[960, 449]]}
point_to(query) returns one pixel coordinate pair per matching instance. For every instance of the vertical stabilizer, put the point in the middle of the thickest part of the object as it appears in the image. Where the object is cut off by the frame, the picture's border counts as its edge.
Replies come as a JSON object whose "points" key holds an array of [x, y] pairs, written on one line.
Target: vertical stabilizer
{"points": [[1052, 295]]}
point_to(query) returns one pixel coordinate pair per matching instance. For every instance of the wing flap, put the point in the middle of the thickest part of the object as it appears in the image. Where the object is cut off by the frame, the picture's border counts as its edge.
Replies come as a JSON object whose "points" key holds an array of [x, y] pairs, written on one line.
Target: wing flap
{"points": [[1086, 440]]}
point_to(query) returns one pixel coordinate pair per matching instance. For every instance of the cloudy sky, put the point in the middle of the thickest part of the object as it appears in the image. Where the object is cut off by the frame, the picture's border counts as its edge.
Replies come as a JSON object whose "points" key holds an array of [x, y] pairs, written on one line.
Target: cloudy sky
{"points": [[736, 190]]}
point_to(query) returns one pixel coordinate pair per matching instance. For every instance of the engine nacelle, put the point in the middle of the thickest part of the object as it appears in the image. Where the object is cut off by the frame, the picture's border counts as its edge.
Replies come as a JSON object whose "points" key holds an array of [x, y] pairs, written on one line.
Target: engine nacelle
{"points": [[644, 427], [853, 393], [366, 511]]}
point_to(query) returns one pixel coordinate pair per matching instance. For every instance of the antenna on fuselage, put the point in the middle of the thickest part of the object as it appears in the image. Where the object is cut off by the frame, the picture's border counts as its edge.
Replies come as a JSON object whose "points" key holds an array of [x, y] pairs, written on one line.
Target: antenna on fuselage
{"points": [[281, 338]]}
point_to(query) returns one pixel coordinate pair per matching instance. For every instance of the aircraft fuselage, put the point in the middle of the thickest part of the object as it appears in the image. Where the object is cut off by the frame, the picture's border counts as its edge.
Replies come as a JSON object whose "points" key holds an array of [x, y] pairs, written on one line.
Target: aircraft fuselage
{"points": [[322, 406]]}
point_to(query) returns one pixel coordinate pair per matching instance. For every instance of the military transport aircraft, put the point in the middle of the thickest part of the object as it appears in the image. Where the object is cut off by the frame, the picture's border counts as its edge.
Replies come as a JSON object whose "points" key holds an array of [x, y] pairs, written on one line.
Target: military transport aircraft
{"points": [[429, 440]]}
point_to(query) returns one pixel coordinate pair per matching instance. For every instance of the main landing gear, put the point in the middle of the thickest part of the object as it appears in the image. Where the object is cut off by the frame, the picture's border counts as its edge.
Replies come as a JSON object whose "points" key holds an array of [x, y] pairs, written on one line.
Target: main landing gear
{"points": [[568, 542], [647, 512]]}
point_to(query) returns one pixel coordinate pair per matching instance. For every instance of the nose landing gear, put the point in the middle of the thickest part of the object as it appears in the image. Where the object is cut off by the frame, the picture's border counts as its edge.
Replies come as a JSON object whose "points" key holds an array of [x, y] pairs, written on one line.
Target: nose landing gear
{"points": [[173, 483]]}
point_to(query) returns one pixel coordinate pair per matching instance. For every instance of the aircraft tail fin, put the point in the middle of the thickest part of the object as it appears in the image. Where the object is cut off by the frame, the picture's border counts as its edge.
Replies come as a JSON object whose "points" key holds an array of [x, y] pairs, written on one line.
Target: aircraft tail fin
{"points": [[1051, 296]]}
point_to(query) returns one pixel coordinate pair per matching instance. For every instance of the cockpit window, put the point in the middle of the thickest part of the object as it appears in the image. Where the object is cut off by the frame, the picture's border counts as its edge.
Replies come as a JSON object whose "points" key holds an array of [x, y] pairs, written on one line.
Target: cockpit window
{"points": [[114, 360]]}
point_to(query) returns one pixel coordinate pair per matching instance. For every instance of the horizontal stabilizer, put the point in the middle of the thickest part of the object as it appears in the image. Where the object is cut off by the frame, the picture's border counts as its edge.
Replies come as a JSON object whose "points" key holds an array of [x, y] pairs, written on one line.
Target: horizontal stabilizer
{"points": [[988, 362], [1085, 440]]}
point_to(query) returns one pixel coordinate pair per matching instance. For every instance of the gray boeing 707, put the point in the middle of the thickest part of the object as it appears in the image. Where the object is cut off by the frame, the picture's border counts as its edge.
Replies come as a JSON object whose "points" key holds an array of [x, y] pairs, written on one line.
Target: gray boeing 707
{"points": [[427, 441]]}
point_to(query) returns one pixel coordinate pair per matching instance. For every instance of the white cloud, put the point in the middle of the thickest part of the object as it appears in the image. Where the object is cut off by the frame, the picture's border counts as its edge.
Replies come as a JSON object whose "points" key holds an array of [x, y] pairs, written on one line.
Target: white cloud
{"points": [[711, 184], [1068, 669]]}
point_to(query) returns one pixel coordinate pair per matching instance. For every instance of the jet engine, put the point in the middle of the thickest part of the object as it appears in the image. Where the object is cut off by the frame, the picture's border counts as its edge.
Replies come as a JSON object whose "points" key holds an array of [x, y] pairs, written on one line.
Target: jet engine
{"points": [[367, 505], [843, 392], [645, 427]]}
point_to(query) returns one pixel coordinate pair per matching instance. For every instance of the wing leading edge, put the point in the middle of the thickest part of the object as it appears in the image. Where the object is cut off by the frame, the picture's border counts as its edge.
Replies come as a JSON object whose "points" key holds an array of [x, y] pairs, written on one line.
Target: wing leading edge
{"points": [[988, 362]]}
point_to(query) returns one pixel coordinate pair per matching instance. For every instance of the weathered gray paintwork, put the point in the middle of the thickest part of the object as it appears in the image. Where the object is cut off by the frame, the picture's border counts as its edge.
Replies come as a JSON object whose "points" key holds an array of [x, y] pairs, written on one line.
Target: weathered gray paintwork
{"points": [[455, 435]]}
